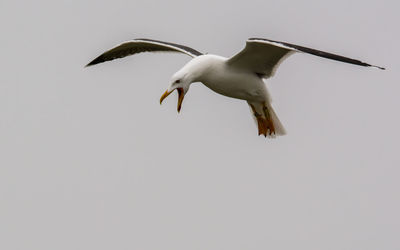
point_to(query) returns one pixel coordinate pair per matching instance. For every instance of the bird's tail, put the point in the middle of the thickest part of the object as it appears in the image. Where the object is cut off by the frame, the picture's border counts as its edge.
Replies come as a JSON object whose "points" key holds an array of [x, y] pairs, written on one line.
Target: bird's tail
{"points": [[266, 119]]}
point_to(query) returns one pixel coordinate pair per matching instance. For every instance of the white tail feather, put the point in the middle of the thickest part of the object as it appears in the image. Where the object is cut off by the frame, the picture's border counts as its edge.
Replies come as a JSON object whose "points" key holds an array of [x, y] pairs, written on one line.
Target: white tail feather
{"points": [[279, 129], [266, 119]]}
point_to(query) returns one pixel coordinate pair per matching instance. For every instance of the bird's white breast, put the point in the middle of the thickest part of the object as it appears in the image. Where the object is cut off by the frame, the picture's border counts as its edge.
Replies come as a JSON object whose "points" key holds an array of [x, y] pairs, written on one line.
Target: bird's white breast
{"points": [[228, 81]]}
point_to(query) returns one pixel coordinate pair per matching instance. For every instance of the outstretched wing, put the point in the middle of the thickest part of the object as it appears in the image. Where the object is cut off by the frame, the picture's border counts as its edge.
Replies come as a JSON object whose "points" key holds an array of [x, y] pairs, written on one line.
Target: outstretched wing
{"points": [[263, 56], [142, 45]]}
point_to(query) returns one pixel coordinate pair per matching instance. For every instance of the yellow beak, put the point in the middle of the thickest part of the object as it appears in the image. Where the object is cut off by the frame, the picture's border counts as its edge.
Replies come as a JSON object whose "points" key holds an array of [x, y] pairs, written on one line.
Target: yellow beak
{"points": [[180, 97]]}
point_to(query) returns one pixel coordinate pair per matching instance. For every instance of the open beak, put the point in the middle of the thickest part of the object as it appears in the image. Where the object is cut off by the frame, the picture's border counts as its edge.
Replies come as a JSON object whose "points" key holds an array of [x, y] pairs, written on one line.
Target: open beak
{"points": [[180, 97]]}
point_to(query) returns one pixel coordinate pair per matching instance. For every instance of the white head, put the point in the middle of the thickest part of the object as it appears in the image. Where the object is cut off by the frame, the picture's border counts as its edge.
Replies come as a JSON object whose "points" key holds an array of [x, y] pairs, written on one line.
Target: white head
{"points": [[180, 81]]}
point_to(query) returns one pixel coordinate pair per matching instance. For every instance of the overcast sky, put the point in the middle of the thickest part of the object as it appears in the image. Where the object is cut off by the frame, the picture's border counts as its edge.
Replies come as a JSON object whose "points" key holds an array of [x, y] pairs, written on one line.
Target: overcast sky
{"points": [[90, 160]]}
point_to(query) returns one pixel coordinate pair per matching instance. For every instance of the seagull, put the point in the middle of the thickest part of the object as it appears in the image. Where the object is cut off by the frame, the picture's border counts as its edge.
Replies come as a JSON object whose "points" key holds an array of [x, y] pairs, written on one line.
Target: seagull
{"points": [[240, 76]]}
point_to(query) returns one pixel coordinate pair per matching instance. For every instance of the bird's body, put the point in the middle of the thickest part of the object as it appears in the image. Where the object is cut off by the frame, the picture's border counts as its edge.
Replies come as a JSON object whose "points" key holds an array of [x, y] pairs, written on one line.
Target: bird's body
{"points": [[214, 72], [240, 76]]}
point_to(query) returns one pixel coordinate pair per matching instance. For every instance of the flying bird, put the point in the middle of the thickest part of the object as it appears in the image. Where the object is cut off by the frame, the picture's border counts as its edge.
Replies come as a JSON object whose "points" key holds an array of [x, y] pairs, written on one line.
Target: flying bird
{"points": [[240, 76]]}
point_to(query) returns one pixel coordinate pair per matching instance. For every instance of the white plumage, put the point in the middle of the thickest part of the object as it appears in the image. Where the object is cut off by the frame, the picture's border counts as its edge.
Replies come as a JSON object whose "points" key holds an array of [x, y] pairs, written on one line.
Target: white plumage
{"points": [[240, 76]]}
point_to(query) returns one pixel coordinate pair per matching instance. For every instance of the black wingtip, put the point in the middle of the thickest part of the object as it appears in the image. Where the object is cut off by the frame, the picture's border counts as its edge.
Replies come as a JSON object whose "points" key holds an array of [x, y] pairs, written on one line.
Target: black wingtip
{"points": [[95, 61], [382, 68], [90, 64]]}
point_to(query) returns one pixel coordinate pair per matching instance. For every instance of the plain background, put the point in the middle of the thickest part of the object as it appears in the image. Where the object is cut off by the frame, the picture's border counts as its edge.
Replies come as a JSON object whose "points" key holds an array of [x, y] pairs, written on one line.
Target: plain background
{"points": [[90, 160]]}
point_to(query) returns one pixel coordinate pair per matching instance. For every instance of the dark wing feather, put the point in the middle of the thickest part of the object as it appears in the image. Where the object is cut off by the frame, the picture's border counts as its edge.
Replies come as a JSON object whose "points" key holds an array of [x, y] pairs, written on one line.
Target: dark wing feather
{"points": [[142, 45], [262, 56], [321, 53]]}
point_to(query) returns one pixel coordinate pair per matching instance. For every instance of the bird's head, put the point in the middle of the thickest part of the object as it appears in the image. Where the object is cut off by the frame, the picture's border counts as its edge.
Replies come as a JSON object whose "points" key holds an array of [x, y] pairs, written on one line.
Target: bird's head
{"points": [[181, 82]]}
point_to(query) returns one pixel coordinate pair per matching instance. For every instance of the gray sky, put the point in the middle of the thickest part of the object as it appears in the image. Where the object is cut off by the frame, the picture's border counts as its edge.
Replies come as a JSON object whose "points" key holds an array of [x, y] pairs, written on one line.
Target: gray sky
{"points": [[90, 160]]}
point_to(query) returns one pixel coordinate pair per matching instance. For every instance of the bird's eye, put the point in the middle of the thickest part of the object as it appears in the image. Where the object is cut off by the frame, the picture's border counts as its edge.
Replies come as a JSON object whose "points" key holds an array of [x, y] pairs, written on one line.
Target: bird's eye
{"points": [[177, 81]]}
